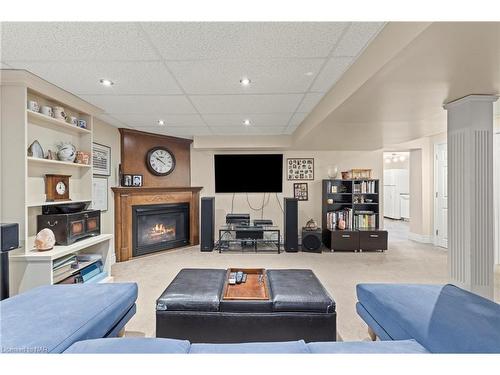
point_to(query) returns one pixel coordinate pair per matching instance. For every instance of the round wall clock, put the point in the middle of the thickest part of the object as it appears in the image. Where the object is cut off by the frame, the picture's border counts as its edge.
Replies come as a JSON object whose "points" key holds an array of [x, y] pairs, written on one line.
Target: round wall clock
{"points": [[160, 161]]}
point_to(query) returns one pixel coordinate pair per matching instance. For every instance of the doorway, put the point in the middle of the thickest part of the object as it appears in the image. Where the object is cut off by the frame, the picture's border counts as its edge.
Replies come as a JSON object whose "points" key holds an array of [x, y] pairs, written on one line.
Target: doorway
{"points": [[397, 193], [441, 195]]}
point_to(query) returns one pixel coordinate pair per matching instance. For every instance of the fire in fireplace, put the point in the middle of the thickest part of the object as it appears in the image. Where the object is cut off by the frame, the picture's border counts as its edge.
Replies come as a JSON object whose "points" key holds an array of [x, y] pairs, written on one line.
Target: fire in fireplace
{"points": [[159, 226]]}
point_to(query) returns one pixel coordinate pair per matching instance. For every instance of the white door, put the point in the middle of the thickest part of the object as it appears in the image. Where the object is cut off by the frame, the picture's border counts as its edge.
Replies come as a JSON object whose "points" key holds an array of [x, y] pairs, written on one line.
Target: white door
{"points": [[441, 195]]}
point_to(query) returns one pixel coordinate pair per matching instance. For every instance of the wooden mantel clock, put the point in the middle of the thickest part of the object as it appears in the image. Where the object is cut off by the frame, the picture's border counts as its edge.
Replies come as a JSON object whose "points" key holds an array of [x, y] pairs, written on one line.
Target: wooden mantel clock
{"points": [[57, 187]]}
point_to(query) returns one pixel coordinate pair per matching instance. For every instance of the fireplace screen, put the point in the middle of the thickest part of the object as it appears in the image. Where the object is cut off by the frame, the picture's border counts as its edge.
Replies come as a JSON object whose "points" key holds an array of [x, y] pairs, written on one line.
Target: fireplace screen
{"points": [[159, 227]]}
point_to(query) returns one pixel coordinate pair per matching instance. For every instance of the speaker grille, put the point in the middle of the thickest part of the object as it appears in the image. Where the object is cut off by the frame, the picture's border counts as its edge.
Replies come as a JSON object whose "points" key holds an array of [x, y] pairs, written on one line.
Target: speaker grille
{"points": [[311, 242]]}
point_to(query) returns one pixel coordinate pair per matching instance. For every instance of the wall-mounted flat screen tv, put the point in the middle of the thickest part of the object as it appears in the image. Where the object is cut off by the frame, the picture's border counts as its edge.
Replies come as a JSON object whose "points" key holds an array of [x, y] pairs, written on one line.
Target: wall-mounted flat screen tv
{"points": [[248, 173]]}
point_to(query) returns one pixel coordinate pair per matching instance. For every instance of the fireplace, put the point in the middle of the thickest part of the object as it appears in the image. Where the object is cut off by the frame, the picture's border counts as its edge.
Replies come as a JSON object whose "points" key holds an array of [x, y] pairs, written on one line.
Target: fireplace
{"points": [[158, 227]]}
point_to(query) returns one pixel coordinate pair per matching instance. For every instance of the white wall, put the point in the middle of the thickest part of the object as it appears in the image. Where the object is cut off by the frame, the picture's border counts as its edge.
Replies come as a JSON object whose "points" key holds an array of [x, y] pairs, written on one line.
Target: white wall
{"points": [[496, 187], [202, 174], [110, 136]]}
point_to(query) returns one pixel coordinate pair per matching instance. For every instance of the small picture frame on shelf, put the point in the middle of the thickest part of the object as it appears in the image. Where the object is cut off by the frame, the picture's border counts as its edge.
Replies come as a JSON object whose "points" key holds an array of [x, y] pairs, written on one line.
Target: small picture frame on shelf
{"points": [[300, 191], [127, 180], [137, 180]]}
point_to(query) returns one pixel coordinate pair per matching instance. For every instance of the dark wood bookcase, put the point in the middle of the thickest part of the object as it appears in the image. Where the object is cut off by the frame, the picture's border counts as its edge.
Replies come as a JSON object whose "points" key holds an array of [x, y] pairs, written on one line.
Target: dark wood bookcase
{"points": [[360, 197]]}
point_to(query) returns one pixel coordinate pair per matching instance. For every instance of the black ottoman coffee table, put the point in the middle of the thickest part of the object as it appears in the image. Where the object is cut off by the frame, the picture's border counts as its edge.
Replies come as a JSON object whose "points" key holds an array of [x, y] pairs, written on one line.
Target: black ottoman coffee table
{"points": [[298, 307]]}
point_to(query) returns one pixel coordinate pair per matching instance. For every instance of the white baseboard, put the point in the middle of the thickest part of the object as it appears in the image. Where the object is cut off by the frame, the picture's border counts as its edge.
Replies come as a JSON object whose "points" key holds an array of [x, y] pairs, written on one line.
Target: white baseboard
{"points": [[423, 238]]}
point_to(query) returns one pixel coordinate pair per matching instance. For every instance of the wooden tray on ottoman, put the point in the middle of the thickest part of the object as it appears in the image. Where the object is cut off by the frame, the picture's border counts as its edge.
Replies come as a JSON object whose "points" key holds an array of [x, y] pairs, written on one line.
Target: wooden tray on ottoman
{"points": [[255, 288]]}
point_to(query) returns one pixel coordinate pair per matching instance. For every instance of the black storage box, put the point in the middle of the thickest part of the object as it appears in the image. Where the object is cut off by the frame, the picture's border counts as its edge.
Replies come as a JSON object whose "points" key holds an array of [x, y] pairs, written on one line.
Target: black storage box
{"points": [[69, 228]]}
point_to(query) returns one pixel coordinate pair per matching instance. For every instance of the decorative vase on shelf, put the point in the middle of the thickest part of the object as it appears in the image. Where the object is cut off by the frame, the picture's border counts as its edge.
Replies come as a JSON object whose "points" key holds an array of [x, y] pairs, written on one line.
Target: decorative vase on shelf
{"points": [[66, 152], [333, 172]]}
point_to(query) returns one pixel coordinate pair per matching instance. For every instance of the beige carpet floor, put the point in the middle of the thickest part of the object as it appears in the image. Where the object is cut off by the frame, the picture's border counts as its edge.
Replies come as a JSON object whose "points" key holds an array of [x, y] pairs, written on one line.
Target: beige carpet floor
{"points": [[405, 262]]}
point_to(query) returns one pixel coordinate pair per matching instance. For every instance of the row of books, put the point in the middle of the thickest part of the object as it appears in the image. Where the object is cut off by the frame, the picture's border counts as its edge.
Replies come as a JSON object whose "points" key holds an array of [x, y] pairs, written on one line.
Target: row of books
{"points": [[365, 221], [365, 187], [334, 218], [73, 269]]}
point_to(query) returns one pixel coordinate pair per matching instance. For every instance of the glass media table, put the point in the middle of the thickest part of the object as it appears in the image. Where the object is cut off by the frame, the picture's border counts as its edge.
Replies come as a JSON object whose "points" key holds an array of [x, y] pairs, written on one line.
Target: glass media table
{"points": [[249, 238]]}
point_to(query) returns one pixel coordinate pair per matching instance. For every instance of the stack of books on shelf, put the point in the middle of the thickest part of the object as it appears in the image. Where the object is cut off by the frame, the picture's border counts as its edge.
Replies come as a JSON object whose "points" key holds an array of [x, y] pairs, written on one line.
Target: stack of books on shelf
{"points": [[365, 221], [333, 218], [364, 187], [76, 269], [64, 267]]}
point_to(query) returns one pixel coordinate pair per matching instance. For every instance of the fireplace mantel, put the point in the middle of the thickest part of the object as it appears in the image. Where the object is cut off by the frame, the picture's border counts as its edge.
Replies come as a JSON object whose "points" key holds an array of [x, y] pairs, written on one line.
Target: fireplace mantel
{"points": [[126, 197]]}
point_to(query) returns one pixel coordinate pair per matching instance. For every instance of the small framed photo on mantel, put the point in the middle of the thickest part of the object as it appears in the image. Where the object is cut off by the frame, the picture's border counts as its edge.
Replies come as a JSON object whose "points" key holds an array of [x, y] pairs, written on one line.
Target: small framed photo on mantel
{"points": [[300, 169]]}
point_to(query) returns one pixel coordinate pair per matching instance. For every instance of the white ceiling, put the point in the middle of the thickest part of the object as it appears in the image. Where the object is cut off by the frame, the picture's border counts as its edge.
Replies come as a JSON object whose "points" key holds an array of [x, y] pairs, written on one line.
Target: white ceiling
{"points": [[188, 73]]}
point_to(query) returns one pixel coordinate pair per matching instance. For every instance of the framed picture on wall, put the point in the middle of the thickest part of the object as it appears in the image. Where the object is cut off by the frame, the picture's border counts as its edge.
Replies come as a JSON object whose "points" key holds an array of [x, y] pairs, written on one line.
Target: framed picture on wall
{"points": [[300, 169], [100, 193], [101, 159], [300, 191]]}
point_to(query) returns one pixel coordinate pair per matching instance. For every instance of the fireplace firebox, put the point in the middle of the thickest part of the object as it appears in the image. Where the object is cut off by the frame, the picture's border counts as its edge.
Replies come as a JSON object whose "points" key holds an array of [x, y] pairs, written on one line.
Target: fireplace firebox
{"points": [[158, 227]]}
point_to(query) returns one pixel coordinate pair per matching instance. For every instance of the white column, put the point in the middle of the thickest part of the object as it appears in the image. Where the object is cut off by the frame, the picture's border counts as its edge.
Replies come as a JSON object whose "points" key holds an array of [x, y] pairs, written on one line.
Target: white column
{"points": [[470, 193]]}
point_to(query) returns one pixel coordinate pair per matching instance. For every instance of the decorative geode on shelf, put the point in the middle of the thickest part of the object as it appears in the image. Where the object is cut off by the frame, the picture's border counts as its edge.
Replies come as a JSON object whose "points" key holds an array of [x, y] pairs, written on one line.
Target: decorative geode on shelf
{"points": [[45, 240]]}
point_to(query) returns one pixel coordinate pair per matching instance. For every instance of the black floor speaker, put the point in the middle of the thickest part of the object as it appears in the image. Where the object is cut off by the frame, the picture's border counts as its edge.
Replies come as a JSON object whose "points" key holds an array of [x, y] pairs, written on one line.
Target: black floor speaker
{"points": [[311, 240], [207, 226], [291, 224]]}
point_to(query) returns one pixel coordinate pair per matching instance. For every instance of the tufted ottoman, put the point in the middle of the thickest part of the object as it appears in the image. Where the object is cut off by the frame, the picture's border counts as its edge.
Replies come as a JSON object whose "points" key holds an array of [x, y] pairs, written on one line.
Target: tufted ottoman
{"points": [[192, 308]]}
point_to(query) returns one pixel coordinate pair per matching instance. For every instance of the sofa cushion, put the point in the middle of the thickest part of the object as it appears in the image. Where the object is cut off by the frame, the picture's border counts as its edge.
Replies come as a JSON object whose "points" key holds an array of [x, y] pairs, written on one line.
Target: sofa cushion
{"points": [[443, 319], [130, 345], [298, 290], [193, 289], [48, 319], [366, 347], [251, 348]]}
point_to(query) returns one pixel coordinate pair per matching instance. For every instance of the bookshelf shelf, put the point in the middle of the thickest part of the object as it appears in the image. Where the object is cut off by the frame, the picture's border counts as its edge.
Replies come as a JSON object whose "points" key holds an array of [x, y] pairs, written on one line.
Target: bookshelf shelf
{"points": [[361, 228], [47, 121]]}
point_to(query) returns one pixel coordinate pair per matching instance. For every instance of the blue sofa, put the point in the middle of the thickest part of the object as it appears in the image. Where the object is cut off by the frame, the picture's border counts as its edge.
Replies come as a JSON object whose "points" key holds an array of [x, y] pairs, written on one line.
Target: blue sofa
{"points": [[441, 318], [51, 318], [407, 318], [171, 346]]}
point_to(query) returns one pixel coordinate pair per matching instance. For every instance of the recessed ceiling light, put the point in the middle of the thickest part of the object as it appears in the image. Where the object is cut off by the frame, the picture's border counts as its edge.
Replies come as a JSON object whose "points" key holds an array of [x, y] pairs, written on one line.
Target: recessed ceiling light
{"points": [[106, 82], [246, 122], [245, 81], [161, 122], [309, 74], [402, 158]]}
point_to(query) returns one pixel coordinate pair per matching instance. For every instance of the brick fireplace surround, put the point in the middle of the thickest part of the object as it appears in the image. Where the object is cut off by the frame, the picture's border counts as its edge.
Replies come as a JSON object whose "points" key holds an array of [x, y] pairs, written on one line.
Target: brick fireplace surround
{"points": [[126, 197]]}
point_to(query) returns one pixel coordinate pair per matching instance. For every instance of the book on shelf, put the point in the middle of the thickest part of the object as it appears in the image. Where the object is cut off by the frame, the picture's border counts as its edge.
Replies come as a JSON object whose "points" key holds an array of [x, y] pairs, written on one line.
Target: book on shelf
{"points": [[365, 221], [333, 218], [88, 270], [364, 187]]}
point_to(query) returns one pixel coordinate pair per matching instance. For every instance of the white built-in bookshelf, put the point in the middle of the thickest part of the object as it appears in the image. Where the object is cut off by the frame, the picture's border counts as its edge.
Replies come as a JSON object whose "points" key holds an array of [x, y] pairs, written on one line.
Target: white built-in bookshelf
{"points": [[23, 189]]}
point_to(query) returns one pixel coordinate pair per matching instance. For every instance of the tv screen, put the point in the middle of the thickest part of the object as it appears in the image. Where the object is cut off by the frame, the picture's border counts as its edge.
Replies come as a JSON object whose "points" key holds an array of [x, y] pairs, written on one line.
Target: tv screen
{"points": [[256, 173]]}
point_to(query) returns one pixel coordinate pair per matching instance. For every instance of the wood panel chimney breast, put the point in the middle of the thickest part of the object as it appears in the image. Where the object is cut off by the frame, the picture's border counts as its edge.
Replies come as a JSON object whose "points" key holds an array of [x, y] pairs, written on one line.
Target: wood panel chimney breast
{"points": [[134, 149]]}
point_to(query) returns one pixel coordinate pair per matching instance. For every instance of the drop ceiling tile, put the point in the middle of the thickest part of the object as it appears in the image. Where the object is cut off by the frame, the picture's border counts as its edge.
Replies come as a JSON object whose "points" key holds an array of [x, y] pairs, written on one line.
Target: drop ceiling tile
{"points": [[331, 73], [74, 41], [177, 131], [111, 120], [248, 104], [130, 77], [267, 75], [247, 130], [4, 66], [357, 38], [295, 121], [151, 120], [257, 120], [310, 101], [233, 40], [121, 104]]}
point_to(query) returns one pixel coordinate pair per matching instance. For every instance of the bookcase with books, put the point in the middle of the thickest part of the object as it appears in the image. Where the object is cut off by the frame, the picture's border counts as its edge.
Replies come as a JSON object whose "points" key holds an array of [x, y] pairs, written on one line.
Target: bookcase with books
{"points": [[351, 215]]}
